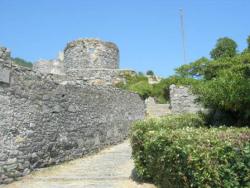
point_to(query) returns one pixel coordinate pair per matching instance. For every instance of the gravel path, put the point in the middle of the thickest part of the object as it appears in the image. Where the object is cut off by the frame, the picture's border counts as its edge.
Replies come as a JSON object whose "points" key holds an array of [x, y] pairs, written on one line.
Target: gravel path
{"points": [[110, 168]]}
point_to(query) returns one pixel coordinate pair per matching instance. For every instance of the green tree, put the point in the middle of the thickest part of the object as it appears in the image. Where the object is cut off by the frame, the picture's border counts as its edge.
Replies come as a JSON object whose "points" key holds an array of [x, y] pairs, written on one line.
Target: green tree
{"points": [[228, 88], [150, 72], [225, 47], [248, 43], [225, 83], [195, 69]]}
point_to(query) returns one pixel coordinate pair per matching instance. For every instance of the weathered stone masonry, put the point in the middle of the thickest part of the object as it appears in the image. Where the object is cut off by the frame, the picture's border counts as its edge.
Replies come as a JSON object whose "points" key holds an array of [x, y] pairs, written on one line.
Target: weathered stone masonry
{"points": [[91, 61], [182, 100], [44, 121], [90, 53], [55, 66]]}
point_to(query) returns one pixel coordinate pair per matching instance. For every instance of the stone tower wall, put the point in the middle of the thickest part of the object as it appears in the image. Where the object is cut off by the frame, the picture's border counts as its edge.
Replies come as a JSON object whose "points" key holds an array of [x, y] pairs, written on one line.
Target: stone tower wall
{"points": [[90, 54]]}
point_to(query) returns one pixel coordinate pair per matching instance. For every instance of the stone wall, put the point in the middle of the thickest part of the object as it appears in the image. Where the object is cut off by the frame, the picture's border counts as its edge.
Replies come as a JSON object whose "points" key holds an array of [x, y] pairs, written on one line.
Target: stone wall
{"points": [[4, 54], [45, 122], [156, 110], [183, 101], [90, 53], [89, 61], [99, 76], [55, 66], [5, 65]]}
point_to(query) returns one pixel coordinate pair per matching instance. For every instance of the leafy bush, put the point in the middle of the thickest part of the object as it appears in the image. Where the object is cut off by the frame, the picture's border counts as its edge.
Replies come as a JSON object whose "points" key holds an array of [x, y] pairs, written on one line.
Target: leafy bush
{"points": [[142, 88], [138, 84], [177, 151]]}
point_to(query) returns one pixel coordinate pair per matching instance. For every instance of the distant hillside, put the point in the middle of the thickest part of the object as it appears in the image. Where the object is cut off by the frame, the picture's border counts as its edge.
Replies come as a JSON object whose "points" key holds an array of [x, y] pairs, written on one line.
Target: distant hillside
{"points": [[22, 62]]}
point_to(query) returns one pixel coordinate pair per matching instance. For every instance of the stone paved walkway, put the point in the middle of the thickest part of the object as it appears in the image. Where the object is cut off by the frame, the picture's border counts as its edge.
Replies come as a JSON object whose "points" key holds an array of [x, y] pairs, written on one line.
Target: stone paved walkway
{"points": [[110, 168]]}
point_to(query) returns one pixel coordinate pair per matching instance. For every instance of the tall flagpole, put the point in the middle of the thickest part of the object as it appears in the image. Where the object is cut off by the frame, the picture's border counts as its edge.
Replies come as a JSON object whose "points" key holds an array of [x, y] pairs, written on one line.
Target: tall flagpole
{"points": [[183, 37]]}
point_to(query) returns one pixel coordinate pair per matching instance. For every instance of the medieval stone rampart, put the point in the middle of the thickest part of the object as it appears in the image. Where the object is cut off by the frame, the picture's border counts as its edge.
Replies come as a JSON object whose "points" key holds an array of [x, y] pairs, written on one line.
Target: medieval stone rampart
{"points": [[45, 121]]}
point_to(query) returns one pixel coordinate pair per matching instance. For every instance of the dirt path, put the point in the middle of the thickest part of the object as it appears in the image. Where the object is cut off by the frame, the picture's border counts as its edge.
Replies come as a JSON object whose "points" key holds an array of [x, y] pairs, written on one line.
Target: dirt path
{"points": [[110, 168]]}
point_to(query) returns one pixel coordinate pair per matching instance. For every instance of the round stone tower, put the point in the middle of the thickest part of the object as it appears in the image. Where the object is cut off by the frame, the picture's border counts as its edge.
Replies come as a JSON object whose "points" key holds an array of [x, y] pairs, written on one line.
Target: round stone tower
{"points": [[83, 54]]}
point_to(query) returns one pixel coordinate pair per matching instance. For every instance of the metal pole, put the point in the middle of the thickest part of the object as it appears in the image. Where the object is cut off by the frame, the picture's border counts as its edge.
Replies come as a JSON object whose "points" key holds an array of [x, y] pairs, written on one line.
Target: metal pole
{"points": [[183, 36]]}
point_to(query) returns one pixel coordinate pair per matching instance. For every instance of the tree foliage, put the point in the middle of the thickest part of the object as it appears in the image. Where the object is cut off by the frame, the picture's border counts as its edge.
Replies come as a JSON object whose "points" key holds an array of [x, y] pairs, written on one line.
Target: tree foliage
{"points": [[248, 43], [193, 70], [137, 83], [150, 73], [229, 87], [225, 47], [224, 81]]}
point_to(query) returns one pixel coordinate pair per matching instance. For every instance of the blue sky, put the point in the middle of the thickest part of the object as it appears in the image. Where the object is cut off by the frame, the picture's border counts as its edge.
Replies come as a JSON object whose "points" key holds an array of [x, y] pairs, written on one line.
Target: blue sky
{"points": [[146, 31]]}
